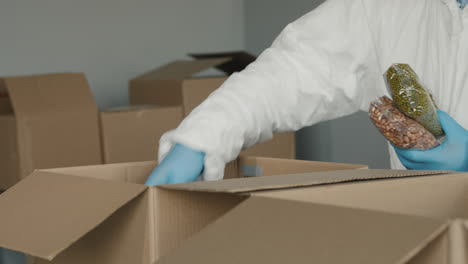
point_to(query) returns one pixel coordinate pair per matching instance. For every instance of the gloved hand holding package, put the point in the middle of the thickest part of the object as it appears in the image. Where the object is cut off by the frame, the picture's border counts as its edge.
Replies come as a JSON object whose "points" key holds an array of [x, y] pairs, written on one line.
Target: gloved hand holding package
{"points": [[410, 121]]}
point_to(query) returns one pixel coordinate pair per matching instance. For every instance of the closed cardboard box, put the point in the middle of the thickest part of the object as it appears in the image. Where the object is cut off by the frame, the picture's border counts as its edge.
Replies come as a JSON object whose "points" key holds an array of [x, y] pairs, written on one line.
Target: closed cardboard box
{"points": [[176, 84], [46, 121], [132, 133], [104, 214]]}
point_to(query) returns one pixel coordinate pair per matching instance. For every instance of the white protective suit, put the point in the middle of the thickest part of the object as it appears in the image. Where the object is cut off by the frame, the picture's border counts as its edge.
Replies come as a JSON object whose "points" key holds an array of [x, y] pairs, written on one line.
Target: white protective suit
{"points": [[329, 64]]}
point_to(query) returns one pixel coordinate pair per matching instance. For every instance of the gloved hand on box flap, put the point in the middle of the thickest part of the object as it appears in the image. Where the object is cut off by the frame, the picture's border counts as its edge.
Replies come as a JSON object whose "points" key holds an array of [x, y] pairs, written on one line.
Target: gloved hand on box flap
{"points": [[452, 154], [182, 164]]}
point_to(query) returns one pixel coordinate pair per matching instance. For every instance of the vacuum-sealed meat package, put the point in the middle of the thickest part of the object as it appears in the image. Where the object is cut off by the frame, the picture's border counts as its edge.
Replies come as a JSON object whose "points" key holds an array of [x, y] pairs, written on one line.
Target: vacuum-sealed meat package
{"points": [[401, 130]]}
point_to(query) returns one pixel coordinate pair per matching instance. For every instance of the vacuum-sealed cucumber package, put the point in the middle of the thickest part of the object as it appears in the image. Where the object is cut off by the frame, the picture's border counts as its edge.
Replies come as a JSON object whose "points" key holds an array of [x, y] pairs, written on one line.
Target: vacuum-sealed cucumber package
{"points": [[412, 98]]}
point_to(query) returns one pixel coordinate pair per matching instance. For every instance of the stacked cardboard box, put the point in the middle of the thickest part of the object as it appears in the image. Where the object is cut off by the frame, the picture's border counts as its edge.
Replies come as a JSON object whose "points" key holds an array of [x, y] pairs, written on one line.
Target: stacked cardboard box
{"points": [[177, 84], [132, 133], [46, 121], [51, 120], [104, 214]]}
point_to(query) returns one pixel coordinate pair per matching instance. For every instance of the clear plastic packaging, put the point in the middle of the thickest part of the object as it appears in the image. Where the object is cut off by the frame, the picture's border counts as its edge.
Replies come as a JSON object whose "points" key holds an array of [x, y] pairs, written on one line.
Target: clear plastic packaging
{"points": [[412, 98], [401, 130]]}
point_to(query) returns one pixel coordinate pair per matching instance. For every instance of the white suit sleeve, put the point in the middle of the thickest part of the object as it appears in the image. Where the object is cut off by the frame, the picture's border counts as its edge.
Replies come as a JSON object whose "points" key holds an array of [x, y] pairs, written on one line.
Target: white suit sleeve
{"points": [[311, 73]]}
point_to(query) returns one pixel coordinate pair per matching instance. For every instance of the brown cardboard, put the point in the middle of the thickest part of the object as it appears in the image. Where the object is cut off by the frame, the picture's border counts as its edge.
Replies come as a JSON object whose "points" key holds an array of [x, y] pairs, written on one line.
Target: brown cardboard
{"points": [[9, 162], [420, 196], [5, 106], [103, 214], [174, 85], [102, 199], [252, 166], [416, 223], [435, 252], [280, 182], [263, 230], [282, 146], [53, 123], [132, 133]]}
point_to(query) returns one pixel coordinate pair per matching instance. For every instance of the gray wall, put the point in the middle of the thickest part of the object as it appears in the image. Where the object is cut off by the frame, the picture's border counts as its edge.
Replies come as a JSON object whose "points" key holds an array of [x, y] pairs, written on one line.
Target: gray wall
{"points": [[112, 40], [351, 139]]}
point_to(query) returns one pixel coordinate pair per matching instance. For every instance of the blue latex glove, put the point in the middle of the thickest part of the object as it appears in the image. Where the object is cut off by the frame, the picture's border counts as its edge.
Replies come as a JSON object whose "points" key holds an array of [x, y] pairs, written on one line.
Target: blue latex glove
{"points": [[452, 154], [462, 3], [182, 164]]}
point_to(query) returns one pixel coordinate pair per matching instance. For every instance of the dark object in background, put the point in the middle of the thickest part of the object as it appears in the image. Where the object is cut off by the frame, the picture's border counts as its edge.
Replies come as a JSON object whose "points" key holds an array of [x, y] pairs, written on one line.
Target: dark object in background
{"points": [[239, 60]]}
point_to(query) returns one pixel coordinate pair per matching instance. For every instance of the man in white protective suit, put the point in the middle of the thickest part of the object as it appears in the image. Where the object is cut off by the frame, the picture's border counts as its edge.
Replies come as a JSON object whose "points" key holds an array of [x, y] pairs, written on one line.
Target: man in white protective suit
{"points": [[325, 65]]}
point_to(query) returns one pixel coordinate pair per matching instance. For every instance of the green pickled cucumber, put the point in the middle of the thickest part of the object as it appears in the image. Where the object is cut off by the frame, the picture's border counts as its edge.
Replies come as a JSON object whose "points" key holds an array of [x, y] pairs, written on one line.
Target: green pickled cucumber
{"points": [[412, 98]]}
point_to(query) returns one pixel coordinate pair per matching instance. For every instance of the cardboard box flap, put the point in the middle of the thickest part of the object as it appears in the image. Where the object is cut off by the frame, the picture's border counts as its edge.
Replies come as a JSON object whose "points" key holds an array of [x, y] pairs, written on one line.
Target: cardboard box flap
{"points": [[239, 60], [132, 172], [179, 70], [53, 93], [261, 166], [49, 110], [297, 180], [274, 231], [64, 208]]}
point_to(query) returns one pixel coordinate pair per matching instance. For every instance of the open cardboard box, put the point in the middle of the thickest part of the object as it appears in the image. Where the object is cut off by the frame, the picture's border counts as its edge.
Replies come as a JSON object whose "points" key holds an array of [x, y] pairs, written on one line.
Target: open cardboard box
{"points": [[46, 121], [104, 214], [176, 84], [411, 220]]}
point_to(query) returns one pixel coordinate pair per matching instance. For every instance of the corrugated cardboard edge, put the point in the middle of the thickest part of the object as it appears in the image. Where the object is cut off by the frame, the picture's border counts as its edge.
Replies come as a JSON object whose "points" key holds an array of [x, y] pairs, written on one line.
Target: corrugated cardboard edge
{"points": [[152, 225], [252, 166], [90, 168], [131, 108], [298, 180]]}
